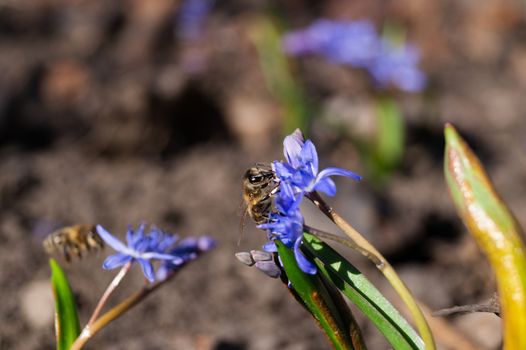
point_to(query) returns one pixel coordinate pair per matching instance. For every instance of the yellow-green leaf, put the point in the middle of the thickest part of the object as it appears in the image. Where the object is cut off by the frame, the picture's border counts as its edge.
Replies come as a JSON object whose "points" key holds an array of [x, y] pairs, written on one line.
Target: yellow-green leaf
{"points": [[494, 228], [363, 294]]}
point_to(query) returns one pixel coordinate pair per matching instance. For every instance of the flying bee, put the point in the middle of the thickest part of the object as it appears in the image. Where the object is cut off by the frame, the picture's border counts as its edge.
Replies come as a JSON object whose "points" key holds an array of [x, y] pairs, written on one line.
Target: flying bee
{"points": [[260, 184], [73, 240]]}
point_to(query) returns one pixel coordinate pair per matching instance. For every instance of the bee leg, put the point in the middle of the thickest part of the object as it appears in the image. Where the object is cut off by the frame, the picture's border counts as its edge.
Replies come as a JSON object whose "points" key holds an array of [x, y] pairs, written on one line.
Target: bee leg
{"points": [[65, 253], [77, 250]]}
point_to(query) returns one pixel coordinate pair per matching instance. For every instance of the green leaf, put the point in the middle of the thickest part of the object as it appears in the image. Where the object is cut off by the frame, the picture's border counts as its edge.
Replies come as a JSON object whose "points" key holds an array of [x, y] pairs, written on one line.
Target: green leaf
{"points": [[67, 326], [278, 75], [363, 294], [495, 229], [310, 290], [388, 149]]}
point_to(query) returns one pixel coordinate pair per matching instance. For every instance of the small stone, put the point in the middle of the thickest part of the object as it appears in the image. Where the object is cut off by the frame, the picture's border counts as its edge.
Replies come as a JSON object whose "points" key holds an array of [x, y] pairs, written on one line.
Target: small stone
{"points": [[37, 304], [251, 120], [484, 328]]}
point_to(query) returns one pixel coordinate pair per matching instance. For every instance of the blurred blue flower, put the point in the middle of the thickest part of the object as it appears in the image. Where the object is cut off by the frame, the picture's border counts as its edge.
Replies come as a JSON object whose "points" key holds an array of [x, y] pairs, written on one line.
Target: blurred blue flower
{"points": [[301, 168], [191, 17], [398, 65], [356, 43], [345, 42], [186, 250], [141, 247]]}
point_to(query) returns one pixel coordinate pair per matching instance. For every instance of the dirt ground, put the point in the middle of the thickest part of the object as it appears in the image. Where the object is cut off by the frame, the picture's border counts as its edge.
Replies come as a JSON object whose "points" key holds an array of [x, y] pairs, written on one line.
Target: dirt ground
{"points": [[107, 117]]}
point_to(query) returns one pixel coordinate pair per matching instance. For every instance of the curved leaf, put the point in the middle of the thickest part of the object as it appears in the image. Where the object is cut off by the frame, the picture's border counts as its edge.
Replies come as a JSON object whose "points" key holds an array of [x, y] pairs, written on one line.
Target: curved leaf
{"points": [[310, 291], [494, 228], [67, 326], [363, 294]]}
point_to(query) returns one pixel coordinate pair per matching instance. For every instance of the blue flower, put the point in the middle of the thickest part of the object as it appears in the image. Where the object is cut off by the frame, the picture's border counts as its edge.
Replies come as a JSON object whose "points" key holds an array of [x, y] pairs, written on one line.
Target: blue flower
{"points": [[357, 44], [301, 168], [398, 65], [286, 225], [298, 176], [186, 250], [140, 247], [345, 42]]}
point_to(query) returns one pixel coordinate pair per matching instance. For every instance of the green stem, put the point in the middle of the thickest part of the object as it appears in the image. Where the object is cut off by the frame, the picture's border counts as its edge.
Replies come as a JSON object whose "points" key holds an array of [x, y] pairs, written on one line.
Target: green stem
{"points": [[369, 251]]}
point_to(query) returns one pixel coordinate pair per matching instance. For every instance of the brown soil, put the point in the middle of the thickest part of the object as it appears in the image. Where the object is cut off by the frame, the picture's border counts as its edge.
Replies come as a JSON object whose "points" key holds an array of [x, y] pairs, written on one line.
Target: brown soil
{"points": [[102, 121]]}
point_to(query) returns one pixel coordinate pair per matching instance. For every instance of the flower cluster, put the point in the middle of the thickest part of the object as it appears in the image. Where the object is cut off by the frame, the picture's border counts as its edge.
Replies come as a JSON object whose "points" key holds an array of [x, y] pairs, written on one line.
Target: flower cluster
{"points": [[356, 43], [146, 247], [298, 176]]}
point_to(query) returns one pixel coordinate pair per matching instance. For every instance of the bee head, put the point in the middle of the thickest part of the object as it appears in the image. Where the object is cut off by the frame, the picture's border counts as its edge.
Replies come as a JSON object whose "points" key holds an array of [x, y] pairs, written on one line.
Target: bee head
{"points": [[257, 175]]}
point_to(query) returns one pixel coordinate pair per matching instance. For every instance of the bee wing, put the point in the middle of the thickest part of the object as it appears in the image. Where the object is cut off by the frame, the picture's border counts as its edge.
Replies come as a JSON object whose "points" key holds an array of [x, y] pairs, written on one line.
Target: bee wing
{"points": [[242, 207], [242, 221]]}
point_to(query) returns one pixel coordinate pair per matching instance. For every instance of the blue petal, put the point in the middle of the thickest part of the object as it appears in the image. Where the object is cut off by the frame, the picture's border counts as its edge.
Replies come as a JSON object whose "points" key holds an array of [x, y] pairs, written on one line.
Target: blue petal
{"points": [[285, 200], [134, 237], [206, 243], [155, 236], [326, 185], [139, 233], [167, 267], [162, 272], [147, 269], [283, 171], [177, 260], [270, 247], [337, 171], [143, 245], [298, 43], [111, 240], [292, 147], [115, 260], [130, 236], [266, 226], [188, 243], [155, 255], [166, 242], [309, 156], [304, 264]]}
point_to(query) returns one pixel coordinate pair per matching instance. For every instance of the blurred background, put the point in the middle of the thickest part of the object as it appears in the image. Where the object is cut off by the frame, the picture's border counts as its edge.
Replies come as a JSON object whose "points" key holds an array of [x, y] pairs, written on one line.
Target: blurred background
{"points": [[115, 112]]}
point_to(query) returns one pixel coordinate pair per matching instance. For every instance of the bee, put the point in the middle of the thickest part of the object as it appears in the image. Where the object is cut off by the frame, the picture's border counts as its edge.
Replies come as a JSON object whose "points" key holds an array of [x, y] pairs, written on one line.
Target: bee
{"points": [[73, 240], [260, 184]]}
